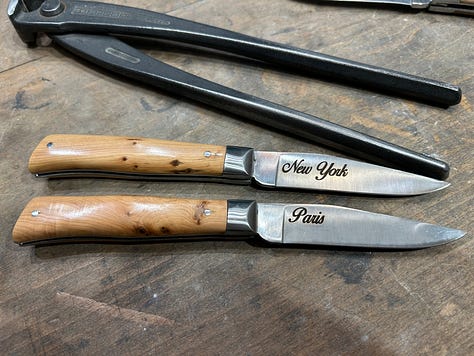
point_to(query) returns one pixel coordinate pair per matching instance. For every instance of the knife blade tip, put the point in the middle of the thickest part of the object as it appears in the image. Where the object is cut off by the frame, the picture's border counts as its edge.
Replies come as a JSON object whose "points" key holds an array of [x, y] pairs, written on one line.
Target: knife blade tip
{"points": [[443, 235]]}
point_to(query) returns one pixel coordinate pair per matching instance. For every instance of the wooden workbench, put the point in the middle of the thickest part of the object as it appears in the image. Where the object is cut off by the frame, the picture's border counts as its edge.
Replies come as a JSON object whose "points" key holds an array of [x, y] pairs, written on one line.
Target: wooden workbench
{"points": [[215, 297]]}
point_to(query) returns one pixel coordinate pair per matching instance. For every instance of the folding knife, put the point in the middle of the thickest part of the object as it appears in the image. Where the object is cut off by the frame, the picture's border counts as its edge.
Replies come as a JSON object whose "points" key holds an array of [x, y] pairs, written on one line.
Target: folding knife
{"points": [[54, 219], [132, 157]]}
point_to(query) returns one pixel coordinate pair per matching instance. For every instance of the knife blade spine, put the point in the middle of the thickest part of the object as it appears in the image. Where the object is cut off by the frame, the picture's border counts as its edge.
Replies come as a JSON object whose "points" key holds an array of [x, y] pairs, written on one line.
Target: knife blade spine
{"points": [[145, 177]]}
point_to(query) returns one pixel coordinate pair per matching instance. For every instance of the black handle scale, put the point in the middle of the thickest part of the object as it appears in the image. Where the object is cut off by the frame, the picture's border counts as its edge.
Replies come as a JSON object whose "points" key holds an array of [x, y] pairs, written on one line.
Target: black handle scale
{"points": [[121, 58]]}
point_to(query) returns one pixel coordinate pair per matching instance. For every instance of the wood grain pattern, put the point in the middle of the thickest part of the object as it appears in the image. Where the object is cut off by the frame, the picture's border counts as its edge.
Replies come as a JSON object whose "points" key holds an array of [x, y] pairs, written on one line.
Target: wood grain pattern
{"points": [[46, 218], [134, 155]]}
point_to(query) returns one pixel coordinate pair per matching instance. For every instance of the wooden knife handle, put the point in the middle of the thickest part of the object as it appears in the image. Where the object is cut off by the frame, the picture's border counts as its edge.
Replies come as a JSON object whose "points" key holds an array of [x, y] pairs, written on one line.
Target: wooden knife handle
{"points": [[54, 217], [467, 2], [130, 155]]}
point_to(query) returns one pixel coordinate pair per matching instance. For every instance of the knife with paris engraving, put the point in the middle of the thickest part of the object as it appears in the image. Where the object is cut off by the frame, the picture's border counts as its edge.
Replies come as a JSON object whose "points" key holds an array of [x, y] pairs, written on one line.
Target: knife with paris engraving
{"points": [[57, 219], [146, 158], [455, 7]]}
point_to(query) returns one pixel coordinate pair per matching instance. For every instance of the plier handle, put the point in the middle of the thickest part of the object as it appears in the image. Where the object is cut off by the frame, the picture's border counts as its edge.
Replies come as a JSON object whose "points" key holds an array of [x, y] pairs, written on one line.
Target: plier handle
{"points": [[88, 29]]}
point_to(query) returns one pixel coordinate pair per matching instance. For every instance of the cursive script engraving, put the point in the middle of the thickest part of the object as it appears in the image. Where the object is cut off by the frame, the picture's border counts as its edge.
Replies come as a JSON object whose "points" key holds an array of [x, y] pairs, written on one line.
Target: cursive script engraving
{"points": [[327, 169], [301, 214], [323, 169], [296, 167]]}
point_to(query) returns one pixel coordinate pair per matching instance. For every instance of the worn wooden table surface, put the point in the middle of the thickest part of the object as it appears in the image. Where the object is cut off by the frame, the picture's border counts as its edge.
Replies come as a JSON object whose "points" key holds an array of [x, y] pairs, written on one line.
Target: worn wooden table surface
{"points": [[239, 297]]}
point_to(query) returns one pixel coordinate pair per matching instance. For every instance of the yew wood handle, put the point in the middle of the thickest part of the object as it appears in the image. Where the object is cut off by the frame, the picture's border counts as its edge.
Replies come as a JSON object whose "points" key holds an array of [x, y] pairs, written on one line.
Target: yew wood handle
{"points": [[54, 217], [131, 155]]}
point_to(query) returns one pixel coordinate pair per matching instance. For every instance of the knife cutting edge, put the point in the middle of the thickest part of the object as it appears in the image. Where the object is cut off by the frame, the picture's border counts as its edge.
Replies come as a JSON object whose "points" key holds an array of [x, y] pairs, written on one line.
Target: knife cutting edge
{"points": [[57, 219], [132, 157]]}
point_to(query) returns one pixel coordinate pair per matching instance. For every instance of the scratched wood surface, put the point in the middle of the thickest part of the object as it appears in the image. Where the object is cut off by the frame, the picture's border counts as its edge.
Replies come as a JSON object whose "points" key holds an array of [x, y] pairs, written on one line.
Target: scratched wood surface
{"points": [[237, 297]]}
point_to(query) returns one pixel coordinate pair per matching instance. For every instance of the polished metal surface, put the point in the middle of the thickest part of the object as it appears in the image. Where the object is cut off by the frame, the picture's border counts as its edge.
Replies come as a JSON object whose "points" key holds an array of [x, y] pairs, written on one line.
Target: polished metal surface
{"points": [[338, 226], [265, 167], [12, 5], [238, 163], [330, 173], [270, 222], [241, 217]]}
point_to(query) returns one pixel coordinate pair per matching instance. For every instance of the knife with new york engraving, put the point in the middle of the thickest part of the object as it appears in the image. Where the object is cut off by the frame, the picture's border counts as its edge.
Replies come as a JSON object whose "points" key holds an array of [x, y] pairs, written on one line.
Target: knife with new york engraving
{"points": [[56, 219], [132, 157]]}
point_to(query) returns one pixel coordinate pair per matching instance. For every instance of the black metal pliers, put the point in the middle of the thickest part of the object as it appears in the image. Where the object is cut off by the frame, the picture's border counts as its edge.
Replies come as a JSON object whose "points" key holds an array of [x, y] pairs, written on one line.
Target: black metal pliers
{"points": [[88, 28]]}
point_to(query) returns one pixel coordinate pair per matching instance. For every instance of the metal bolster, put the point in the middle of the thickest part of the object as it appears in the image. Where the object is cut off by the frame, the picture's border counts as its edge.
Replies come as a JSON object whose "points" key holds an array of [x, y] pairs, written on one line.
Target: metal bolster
{"points": [[238, 163], [241, 217], [420, 4]]}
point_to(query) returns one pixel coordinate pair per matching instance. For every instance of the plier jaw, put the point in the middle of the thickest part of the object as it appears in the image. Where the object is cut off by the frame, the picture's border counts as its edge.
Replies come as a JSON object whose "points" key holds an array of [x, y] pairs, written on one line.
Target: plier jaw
{"points": [[16, 12], [31, 17]]}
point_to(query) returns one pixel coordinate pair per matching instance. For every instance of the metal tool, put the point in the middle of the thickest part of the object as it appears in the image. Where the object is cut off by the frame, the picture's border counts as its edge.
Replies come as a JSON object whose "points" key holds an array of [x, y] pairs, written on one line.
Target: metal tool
{"points": [[145, 158], [456, 7], [139, 218], [88, 29]]}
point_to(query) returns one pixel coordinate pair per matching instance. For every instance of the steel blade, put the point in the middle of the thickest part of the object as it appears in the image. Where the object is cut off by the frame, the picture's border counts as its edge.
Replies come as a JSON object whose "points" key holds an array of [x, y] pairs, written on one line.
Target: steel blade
{"points": [[338, 226], [330, 173]]}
